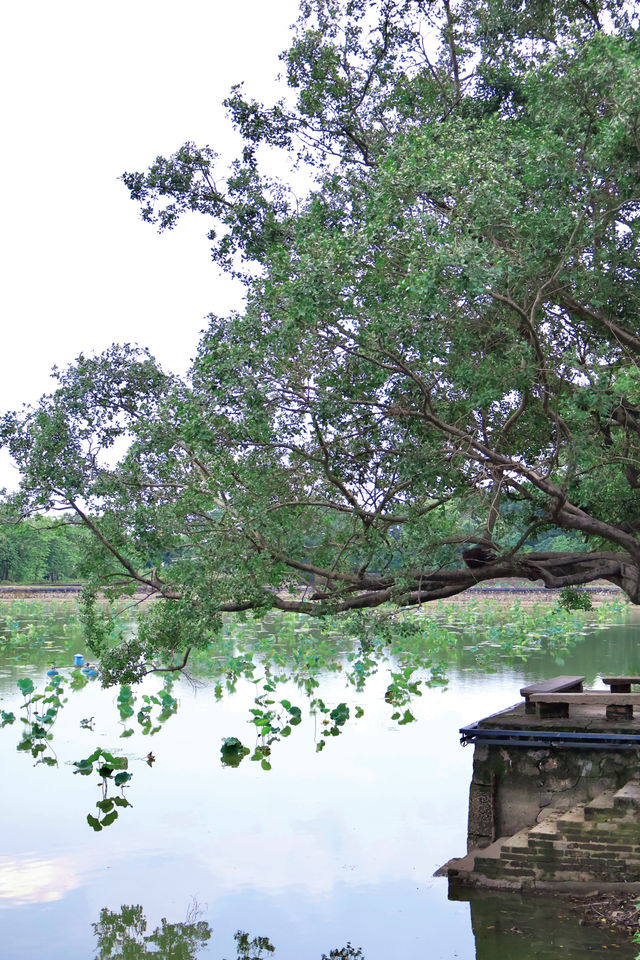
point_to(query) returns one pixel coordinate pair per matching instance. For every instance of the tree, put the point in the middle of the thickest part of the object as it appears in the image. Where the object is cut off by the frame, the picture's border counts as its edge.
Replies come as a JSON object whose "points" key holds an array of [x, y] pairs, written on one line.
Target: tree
{"points": [[437, 364], [40, 549]]}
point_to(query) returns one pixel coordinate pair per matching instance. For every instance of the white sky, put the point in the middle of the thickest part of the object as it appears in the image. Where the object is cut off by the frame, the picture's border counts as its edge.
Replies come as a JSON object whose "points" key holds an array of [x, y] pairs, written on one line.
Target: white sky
{"points": [[90, 90]]}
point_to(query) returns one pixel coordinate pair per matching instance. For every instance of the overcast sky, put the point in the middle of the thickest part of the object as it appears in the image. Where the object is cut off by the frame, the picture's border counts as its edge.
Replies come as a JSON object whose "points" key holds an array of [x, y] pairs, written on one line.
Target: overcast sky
{"points": [[91, 90]]}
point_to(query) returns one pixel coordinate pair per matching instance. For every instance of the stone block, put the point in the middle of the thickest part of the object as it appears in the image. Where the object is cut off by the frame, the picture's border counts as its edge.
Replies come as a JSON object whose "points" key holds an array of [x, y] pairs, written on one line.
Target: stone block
{"points": [[628, 797], [552, 710], [619, 711], [481, 830]]}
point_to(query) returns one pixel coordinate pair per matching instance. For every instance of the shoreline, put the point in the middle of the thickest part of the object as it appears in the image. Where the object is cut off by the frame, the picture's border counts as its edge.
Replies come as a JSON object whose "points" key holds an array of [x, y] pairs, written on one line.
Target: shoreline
{"points": [[521, 590]]}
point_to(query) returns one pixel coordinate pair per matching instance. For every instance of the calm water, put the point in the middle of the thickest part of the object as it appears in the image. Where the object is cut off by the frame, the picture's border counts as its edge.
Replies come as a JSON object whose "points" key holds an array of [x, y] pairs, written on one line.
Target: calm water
{"points": [[324, 849]]}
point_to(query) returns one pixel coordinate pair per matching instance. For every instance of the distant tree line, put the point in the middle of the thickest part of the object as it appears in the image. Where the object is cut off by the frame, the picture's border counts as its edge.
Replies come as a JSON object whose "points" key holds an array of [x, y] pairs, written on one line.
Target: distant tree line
{"points": [[40, 551]]}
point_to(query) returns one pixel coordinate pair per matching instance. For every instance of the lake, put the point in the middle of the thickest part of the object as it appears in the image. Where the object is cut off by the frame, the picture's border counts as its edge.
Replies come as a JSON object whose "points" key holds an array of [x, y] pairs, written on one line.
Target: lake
{"points": [[322, 850]]}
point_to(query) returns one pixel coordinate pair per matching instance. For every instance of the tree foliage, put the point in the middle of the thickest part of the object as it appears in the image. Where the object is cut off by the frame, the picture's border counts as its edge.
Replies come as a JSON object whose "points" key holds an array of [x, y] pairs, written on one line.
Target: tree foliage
{"points": [[439, 349], [40, 550]]}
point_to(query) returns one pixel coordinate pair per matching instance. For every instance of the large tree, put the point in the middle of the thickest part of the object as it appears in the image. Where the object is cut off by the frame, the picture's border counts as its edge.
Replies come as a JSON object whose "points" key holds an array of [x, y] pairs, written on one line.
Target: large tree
{"points": [[438, 361]]}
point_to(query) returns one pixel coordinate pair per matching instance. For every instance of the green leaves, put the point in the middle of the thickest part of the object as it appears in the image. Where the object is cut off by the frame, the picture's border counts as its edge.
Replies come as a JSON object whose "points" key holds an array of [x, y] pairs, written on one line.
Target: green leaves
{"points": [[126, 699], [407, 717], [110, 764], [36, 731], [127, 929], [83, 767], [232, 752], [295, 714], [107, 764], [438, 350], [572, 599], [25, 686], [340, 714]]}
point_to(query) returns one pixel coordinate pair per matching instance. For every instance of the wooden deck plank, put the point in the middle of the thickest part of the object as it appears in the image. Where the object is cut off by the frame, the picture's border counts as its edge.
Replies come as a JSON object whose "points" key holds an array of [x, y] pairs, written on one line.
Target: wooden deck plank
{"points": [[588, 697], [552, 685]]}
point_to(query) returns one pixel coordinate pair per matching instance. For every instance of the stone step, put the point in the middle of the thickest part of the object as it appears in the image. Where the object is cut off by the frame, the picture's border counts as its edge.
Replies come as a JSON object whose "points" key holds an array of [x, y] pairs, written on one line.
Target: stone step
{"points": [[462, 865], [601, 807], [599, 840], [570, 822], [457, 866], [596, 839], [487, 860], [546, 830], [518, 843], [628, 798]]}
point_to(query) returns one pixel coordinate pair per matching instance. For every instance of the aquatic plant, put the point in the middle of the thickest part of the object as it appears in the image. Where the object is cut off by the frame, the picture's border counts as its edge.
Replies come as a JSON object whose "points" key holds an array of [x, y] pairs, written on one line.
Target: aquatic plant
{"points": [[112, 771], [289, 653]]}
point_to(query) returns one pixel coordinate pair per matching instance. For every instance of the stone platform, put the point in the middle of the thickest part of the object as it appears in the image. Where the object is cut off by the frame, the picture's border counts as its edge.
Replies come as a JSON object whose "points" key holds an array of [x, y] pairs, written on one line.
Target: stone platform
{"points": [[552, 801], [584, 718]]}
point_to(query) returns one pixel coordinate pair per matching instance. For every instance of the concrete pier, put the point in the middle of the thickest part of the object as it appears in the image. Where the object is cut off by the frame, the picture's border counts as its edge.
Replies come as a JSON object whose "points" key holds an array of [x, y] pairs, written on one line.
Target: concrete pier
{"points": [[552, 802]]}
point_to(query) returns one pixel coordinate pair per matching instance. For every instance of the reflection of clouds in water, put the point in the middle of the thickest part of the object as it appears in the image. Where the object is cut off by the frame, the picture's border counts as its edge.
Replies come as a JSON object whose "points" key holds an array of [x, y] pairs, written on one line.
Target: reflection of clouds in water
{"points": [[31, 880], [309, 863]]}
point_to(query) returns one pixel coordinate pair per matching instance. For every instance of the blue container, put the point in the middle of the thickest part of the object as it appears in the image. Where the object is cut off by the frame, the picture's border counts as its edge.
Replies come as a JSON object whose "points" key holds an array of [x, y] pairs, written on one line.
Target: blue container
{"points": [[78, 660], [52, 673]]}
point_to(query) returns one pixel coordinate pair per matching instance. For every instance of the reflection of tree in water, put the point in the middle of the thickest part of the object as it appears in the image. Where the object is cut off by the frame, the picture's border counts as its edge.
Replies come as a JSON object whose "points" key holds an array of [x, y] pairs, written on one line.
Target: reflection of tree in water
{"points": [[345, 953], [256, 949], [259, 947], [123, 936]]}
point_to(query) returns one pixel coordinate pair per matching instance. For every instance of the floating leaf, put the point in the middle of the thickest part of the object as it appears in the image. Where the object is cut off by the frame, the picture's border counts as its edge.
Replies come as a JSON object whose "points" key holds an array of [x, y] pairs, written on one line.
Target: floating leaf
{"points": [[232, 752], [407, 718], [340, 714], [83, 767]]}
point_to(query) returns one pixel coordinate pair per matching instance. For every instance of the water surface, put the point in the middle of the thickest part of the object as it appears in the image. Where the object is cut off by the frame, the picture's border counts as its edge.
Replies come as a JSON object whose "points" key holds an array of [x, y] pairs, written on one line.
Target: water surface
{"points": [[324, 849]]}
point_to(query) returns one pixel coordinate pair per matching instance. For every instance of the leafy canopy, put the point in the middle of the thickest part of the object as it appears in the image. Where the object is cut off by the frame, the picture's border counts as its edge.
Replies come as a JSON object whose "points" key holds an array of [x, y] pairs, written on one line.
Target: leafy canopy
{"points": [[435, 379]]}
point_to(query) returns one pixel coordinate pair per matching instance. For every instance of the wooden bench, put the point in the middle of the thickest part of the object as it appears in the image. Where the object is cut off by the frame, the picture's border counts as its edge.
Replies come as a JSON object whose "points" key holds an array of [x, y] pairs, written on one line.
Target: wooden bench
{"points": [[620, 684], [619, 705], [554, 685]]}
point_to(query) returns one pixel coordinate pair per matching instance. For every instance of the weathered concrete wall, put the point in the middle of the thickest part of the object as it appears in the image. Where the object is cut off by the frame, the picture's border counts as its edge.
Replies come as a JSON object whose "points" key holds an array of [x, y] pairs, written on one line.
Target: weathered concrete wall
{"points": [[515, 787]]}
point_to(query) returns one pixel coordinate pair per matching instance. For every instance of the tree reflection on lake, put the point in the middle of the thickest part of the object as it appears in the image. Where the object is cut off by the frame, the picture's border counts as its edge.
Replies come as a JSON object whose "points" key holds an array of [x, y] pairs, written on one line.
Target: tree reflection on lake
{"points": [[123, 936], [506, 926]]}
